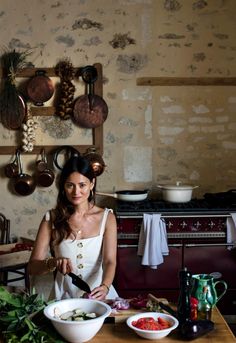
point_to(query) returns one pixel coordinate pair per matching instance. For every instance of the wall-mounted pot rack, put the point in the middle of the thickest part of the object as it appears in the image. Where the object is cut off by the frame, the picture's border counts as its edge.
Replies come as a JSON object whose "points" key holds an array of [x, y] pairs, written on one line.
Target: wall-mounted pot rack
{"points": [[97, 133], [186, 81]]}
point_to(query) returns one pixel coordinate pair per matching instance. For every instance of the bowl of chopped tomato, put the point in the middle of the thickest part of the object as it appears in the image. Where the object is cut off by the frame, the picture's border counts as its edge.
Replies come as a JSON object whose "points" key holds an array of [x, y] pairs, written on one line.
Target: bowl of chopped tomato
{"points": [[152, 325]]}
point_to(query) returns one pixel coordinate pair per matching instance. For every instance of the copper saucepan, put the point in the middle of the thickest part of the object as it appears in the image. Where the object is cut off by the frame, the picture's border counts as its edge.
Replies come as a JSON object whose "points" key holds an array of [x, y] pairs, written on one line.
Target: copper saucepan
{"points": [[12, 169], [40, 88], [45, 175], [24, 183], [127, 195], [95, 160], [90, 110]]}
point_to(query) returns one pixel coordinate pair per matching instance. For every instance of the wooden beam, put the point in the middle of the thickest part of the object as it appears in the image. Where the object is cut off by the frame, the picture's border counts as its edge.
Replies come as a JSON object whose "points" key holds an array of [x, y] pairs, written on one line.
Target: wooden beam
{"points": [[30, 72], [186, 81], [49, 149]]}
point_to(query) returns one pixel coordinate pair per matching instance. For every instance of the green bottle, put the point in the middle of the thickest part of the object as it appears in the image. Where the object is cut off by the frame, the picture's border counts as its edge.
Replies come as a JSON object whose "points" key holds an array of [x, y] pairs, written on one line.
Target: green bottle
{"points": [[204, 307]]}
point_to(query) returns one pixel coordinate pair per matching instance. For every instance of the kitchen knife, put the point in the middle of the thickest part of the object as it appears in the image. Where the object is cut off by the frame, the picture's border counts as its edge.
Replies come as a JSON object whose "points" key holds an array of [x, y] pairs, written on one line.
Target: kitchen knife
{"points": [[168, 309], [77, 281]]}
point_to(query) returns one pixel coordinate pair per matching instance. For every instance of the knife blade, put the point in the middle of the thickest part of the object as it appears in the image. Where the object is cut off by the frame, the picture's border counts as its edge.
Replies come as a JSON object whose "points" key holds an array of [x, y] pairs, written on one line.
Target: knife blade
{"points": [[77, 281]]}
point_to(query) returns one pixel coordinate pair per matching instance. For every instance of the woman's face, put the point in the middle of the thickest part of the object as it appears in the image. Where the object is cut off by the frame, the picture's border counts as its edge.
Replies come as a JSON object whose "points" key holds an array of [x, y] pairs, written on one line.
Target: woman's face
{"points": [[77, 188]]}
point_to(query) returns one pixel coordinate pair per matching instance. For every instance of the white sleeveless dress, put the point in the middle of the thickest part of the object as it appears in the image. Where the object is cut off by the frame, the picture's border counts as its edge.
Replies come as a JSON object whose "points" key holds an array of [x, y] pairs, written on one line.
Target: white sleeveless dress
{"points": [[86, 257]]}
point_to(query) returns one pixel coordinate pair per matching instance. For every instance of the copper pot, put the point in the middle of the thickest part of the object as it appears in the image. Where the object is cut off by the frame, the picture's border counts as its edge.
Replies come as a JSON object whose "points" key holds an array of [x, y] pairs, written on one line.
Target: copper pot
{"points": [[24, 183], [40, 88], [96, 161], [90, 110], [12, 169], [42, 163], [45, 176]]}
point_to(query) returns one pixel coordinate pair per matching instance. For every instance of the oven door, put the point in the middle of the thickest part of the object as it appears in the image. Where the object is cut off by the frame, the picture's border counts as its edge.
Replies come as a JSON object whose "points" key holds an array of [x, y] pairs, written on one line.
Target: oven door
{"points": [[132, 278]]}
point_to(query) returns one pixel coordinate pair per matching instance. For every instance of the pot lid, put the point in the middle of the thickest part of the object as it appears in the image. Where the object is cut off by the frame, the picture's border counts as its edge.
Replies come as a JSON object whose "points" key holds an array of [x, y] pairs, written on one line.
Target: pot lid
{"points": [[177, 186]]}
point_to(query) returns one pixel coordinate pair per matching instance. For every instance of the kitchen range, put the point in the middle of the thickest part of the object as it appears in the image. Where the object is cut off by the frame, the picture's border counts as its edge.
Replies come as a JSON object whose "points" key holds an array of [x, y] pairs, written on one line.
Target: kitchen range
{"points": [[197, 239]]}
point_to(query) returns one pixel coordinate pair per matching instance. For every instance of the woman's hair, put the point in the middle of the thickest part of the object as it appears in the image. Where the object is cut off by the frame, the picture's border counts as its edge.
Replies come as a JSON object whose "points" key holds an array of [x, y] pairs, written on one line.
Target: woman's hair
{"points": [[64, 209]]}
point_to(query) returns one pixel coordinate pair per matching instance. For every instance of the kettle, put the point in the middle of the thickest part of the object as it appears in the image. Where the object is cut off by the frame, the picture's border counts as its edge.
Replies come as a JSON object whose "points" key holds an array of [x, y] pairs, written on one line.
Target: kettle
{"points": [[202, 281]]}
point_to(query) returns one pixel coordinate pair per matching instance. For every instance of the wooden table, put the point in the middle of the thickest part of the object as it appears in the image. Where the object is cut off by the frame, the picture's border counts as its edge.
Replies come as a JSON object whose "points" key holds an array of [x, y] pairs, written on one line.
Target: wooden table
{"points": [[120, 332]]}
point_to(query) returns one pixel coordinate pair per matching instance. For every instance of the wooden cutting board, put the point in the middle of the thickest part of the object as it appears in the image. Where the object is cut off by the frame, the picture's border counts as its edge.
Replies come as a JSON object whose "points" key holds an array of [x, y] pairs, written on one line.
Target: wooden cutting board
{"points": [[121, 315]]}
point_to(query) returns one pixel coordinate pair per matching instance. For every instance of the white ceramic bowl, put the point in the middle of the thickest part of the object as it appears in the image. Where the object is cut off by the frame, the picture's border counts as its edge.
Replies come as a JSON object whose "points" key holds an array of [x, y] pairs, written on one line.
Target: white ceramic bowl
{"points": [[153, 334], [78, 331]]}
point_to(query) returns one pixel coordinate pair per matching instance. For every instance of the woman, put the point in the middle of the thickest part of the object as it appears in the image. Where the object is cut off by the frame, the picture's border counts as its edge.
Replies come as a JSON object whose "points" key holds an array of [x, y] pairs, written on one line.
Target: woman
{"points": [[81, 236]]}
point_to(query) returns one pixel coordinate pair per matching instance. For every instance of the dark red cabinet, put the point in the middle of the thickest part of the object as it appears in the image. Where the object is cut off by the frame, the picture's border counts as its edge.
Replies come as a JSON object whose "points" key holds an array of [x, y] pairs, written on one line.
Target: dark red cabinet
{"points": [[132, 278], [210, 259]]}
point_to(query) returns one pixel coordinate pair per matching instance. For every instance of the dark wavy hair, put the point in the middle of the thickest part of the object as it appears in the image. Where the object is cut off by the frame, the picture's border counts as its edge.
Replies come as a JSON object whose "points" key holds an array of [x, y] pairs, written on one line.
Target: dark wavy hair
{"points": [[64, 209]]}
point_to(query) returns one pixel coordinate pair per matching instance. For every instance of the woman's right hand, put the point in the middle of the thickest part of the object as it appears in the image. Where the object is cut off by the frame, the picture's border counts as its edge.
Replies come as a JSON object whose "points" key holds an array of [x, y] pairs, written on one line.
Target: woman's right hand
{"points": [[63, 265]]}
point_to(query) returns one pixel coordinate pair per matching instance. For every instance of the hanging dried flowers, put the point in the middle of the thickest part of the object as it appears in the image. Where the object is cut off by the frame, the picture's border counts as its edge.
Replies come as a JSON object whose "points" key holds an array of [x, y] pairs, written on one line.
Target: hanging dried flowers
{"points": [[12, 105]]}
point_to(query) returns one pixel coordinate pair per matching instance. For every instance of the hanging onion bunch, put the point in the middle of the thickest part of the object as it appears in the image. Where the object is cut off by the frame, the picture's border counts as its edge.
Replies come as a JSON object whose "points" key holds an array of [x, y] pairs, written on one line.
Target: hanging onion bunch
{"points": [[12, 105], [65, 71]]}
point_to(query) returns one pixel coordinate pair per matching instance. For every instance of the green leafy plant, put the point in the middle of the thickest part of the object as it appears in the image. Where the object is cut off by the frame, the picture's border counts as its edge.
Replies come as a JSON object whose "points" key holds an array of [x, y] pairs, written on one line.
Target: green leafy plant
{"points": [[22, 319]]}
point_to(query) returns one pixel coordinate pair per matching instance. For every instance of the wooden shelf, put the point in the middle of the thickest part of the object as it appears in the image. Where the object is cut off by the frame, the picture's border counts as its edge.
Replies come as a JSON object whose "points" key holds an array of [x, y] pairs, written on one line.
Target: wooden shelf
{"points": [[30, 72], [97, 133], [49, 149], [186, 81]]}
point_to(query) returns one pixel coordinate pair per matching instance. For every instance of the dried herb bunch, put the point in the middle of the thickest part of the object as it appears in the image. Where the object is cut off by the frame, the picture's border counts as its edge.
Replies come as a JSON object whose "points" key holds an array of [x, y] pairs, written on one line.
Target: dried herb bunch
{"points": [[12, 106], [65, 71]]}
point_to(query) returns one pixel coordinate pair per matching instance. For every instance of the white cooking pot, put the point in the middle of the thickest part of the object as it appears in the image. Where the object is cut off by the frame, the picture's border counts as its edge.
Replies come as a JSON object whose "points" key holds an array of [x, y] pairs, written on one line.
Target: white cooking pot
{"points": [[177, 192]]}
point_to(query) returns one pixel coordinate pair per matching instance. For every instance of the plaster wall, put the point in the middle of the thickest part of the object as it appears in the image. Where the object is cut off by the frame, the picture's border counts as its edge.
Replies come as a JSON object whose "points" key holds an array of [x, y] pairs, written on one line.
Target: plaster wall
{"points": [[152, 134]]}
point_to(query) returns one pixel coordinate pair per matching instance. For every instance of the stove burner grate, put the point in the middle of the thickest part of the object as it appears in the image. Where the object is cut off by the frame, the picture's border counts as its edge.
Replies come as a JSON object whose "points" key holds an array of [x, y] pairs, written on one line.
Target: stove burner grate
{"points": [[195, 205]]}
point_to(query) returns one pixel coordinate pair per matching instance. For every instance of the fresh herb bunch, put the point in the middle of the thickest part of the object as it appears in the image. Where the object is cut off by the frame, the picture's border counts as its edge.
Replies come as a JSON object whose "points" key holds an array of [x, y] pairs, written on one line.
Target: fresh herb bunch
{"points": [[18, 322], [12, 107]]}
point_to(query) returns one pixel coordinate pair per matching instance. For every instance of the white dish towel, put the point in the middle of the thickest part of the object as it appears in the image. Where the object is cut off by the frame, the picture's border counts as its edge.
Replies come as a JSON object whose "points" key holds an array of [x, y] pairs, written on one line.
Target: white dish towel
{"points": [[152, 245], [231, 230]]}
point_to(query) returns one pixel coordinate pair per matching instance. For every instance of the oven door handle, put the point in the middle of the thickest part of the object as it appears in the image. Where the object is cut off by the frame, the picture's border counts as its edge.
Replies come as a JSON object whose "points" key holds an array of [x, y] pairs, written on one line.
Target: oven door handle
{"points": [[192, 245], [122, 246]]}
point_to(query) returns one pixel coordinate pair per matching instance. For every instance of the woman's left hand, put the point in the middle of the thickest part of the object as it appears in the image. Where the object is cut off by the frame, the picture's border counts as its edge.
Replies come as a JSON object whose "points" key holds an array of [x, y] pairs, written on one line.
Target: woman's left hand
{"points": [[99, 293]]}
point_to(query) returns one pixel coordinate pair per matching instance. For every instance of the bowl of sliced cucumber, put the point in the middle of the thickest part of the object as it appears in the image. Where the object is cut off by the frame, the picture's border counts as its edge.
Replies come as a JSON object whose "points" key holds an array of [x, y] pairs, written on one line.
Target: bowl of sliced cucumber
{"points": [[77, 320]]}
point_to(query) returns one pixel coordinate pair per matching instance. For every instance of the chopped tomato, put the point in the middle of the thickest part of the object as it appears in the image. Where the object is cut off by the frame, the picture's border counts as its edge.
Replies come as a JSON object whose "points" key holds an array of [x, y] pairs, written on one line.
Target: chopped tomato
{"points": [[149, 323], [164, 323]]}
